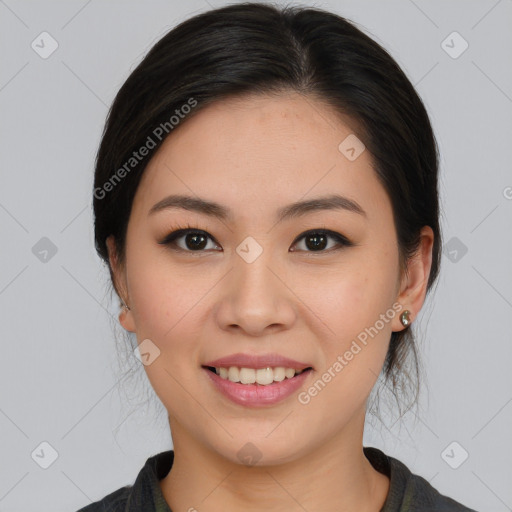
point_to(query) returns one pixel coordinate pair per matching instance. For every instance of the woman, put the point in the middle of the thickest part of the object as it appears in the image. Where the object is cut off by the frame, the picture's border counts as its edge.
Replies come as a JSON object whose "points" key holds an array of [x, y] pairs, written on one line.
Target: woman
{"points": [[266, 201]]}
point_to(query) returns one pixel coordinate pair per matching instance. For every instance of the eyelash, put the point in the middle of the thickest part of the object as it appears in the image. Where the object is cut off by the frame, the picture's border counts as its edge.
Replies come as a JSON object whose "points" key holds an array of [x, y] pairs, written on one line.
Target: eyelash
{"points": [[180, 231]]}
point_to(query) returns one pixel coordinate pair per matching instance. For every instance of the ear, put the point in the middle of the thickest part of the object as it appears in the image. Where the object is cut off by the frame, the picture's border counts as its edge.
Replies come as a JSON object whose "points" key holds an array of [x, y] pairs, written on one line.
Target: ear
{"points": [[118, 275], [413, 287]]}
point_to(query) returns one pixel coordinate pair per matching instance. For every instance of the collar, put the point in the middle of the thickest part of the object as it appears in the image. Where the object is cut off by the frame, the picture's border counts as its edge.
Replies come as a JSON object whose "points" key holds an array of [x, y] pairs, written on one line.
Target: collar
{"points": [[146, 491]]}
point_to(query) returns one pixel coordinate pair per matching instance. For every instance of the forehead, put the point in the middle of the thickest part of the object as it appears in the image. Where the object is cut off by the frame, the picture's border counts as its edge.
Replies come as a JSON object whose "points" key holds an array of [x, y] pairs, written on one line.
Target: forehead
{"points": [[261, 150], [263, 126]]}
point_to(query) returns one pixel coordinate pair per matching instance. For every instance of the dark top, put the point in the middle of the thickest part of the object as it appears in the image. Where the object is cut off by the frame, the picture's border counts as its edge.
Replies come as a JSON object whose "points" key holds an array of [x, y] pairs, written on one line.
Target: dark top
{"points": [[407, 492]]}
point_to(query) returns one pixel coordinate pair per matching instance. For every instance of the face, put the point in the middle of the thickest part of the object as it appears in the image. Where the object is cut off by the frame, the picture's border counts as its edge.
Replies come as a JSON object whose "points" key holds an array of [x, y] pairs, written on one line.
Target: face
{"points": [[313, 288]]}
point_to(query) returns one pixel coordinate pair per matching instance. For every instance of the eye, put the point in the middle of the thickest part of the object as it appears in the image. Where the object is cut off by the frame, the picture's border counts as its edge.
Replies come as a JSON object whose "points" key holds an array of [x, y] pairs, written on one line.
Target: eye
{"points": [[317, 240], [196, 240]]}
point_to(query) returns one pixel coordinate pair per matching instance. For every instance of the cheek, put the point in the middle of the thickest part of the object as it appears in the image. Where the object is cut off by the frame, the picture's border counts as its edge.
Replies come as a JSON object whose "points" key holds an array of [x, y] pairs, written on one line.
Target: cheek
{"points": [[353, 296], [166, 313], [350, 302], [163, 292], [170, 308]]}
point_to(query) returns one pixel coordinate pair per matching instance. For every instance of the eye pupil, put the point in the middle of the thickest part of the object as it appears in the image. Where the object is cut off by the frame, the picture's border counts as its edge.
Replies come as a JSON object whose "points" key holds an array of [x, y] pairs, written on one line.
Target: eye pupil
{"points": [[197, 240], [319, 241], [195, 245]]}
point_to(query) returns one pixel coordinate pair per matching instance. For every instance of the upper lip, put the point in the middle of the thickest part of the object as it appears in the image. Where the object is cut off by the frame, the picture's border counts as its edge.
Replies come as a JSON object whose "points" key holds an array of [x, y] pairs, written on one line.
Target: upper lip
{"points": [[257, 361]]}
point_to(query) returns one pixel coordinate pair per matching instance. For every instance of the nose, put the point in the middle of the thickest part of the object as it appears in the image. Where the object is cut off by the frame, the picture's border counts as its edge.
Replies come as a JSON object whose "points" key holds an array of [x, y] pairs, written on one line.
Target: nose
{"points": [[256, 298]]}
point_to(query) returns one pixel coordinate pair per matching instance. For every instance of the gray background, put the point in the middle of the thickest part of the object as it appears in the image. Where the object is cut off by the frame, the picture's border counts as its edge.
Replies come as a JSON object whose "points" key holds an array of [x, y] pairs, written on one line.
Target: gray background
{"points": [[62, 380]]}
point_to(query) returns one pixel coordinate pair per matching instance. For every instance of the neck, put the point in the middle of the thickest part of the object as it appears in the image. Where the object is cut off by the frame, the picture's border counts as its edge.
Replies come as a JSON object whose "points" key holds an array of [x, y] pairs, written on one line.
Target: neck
{"points": [[335, 476]]}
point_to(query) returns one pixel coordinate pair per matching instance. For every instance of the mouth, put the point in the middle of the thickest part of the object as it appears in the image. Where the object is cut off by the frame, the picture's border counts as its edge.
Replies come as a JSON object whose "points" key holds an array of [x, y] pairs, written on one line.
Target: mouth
{"points": [[267, 376], [257, 387], [257, 380]]}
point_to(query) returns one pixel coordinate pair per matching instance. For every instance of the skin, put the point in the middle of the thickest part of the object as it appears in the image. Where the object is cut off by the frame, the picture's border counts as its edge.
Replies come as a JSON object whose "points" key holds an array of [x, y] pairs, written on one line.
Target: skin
{"points": [[255, 155]]}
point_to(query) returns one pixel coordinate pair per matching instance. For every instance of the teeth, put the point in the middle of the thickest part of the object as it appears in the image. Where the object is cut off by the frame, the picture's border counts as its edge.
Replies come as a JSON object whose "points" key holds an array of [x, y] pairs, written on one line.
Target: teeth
{"points": [[247, 375], [279, 374], [265, 376], [262, 376], [289, 373], [233, 374]]}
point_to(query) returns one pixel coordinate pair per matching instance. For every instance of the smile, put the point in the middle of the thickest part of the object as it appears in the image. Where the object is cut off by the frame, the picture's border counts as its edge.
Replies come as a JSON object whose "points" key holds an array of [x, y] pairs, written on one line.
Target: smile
{"points": [[261, 376], [256, 387]]}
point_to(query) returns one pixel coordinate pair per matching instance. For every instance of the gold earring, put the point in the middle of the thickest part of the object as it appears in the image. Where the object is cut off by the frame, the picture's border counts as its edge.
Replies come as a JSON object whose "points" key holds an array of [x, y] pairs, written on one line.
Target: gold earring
{"points": [[404, 318]]}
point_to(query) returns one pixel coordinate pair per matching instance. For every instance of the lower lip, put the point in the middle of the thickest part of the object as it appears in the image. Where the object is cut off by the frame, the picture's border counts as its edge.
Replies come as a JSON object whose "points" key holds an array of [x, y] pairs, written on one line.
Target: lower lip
{"points": [[256, 395]]}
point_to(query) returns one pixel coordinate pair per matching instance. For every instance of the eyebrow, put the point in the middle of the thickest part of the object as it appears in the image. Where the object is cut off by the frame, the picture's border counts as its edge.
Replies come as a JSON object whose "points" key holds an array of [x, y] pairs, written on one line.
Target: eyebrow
{"points": [[294, 210]]}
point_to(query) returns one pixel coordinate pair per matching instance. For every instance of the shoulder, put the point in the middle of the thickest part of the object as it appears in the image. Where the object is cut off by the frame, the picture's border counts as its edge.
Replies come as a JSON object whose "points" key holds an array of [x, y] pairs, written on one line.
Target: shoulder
{"points": [[145, 494], [409, 492], [420, 496]]}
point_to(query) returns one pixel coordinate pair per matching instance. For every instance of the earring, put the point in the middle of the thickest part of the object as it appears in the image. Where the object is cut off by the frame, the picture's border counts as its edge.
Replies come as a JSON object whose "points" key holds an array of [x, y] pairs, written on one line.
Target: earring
{"points": [[124, 305], [404, 318]]}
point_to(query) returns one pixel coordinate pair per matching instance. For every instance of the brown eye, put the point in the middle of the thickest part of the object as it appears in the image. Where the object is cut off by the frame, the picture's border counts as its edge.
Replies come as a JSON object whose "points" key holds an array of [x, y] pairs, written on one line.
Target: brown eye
{"points": [[193, 240], [318, 241]]}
